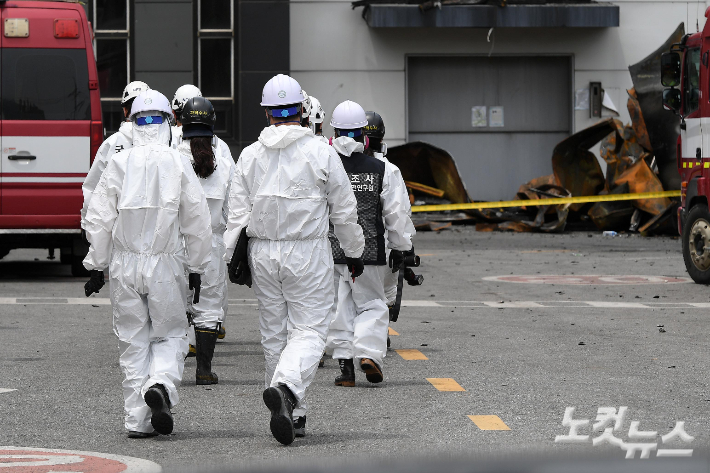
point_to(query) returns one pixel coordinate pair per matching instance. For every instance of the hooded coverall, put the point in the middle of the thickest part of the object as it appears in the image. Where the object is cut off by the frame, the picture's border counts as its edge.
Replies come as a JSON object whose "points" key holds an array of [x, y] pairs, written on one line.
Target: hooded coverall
{"points": [[147, 201], [287, 188]]}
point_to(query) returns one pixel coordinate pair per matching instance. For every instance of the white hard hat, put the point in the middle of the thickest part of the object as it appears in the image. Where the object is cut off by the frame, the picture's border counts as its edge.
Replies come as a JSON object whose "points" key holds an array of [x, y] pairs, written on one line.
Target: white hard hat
{"points": [[317, 112], [183, 94], [151, 101], [281, 90], [306, 109], [348, 116], [133, 90]]}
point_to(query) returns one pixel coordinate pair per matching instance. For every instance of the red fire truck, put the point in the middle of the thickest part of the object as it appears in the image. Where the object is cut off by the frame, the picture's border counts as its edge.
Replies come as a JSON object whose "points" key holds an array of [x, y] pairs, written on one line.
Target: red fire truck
{"points": [[50, 126]]}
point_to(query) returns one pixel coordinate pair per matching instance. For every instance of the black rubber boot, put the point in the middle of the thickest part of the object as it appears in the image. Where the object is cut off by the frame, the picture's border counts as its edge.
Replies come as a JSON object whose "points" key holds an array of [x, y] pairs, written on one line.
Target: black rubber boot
{"points": [[205, 340], [347, 373], [299, 426], [281, 402], [157, 399]]}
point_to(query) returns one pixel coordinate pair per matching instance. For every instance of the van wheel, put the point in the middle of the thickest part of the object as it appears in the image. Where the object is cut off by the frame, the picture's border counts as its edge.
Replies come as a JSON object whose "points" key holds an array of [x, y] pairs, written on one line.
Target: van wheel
{"points": [[77, 267], [696, 244]]}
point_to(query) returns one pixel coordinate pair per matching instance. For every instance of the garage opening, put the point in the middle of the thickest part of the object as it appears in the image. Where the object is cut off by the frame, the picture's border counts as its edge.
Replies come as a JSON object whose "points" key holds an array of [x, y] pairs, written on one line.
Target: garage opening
{"points": [[500, 117]]}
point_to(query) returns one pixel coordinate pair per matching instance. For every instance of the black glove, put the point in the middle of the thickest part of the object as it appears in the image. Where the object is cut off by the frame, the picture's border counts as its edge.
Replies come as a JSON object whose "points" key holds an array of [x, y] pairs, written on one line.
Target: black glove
{"points": [[194, 280], [95, 283], [239, 272], [355, 265], [396, 260], [238, 268]]}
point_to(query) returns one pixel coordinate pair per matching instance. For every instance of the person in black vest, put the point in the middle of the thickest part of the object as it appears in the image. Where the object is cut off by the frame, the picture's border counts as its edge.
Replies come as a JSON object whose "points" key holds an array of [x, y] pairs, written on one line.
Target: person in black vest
{"points": [[358, 331], [375, 132]]}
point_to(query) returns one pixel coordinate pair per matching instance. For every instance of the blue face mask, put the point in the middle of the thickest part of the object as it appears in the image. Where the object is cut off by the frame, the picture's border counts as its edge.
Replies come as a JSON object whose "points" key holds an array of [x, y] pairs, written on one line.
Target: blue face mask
{"points": [[149, 120]]}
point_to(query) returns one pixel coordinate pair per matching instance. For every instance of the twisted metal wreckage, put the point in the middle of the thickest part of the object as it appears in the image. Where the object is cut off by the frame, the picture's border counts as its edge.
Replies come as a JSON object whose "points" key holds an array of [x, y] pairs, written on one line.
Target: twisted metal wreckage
{"points": [[640, 158]]}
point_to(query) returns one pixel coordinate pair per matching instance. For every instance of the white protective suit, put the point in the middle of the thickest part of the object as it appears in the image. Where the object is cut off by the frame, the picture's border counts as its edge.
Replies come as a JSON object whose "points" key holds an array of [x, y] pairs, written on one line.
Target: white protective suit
{"points": [[287, 188], [147, 201], [359, 324], [119, 141], [391, 278], [209, 312]]}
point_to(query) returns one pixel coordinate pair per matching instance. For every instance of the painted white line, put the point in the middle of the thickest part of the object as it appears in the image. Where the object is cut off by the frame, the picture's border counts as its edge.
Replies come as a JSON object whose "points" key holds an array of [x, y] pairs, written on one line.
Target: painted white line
{"points": [[6, 390], [589, 280], [513, 305], [618, 305], [98, 301], [420, 304], [89, 301]]}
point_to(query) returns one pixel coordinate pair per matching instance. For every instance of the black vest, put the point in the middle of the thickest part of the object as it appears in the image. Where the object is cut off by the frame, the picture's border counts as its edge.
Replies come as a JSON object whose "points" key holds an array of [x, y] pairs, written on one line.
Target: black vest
{"points": [[366, 175]]}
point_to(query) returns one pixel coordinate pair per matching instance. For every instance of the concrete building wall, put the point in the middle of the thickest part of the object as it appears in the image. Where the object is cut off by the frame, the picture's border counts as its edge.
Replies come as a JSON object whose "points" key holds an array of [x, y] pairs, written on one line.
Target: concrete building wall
{"points": [[336, 56]]}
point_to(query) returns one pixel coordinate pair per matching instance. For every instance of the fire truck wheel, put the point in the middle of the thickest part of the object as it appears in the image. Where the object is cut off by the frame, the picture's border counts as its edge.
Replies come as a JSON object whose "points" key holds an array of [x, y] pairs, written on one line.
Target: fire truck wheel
{"points": [[696, 244]]}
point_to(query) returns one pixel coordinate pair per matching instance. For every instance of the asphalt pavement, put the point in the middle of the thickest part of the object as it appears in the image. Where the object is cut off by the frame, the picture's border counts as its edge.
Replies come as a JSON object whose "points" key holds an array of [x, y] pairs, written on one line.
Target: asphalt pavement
{"points": [[512, 352]]}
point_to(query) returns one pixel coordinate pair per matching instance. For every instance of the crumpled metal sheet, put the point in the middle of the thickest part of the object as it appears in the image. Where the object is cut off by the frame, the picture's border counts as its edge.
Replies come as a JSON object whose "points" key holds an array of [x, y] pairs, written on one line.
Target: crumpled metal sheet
{"points": [[641, 178], [664, 223], [663, 126], [577, 169], [426, 164], [637, 121], [539, 224], [524, 191], [613, 215], [620, 150]]}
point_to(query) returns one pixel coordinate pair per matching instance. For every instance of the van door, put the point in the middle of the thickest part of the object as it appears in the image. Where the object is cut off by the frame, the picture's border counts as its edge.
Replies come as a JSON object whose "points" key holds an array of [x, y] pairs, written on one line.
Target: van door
{"points": [[46, 117]]}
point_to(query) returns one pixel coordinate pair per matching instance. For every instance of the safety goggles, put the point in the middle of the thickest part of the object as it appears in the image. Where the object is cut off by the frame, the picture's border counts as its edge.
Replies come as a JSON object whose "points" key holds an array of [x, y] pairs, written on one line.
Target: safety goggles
{"points": [[149, 120], [350, 133], [283, 112]]}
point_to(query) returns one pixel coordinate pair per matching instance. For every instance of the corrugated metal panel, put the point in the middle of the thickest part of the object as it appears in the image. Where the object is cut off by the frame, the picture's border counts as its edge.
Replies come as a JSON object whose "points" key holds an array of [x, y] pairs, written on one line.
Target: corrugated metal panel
{"points": [[535, 93]]}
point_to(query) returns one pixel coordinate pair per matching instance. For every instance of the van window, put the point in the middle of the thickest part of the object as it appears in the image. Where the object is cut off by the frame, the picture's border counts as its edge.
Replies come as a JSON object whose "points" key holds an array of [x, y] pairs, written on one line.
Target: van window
{"points": [[45, 84]]}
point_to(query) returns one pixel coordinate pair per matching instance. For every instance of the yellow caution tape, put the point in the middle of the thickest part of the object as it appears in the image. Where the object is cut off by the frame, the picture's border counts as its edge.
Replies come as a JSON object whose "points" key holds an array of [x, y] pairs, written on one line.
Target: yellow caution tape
{"points": [[538, 202]]}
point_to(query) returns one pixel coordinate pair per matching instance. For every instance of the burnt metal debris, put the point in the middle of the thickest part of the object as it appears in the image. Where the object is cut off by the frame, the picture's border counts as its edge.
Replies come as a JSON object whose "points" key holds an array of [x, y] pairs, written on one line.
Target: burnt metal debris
{"points": [[639, 157]]}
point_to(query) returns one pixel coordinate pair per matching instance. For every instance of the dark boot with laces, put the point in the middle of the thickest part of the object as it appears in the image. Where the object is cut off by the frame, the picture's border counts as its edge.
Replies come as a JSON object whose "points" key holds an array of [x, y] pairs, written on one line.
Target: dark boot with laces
{"points": [[299, 426], [347, 373]]}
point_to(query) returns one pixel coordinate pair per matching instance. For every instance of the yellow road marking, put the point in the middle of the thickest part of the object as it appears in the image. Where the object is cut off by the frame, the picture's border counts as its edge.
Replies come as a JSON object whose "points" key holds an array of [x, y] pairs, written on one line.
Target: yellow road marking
{"points": [[550, 201], [489, 422], [445, 384], [411, 354], [391, 331]]}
